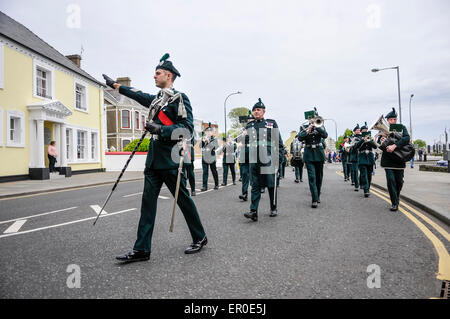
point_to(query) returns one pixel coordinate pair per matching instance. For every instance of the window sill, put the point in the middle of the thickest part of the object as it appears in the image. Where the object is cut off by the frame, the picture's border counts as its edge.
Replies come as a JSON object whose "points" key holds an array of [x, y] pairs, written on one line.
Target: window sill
{"points": [[83, 111], [16, 145], [83, 162]]}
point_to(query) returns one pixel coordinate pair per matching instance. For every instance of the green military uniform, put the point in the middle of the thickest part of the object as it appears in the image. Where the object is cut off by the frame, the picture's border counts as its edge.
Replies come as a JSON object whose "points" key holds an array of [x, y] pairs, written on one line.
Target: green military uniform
{"points": [[366, 161], [159, 166], [189, 158], [209, 161], [394, 167], [314, 158], [353, 159], [262, 169], [229, 162], [346, 166], [244, 166], [297, 159]]}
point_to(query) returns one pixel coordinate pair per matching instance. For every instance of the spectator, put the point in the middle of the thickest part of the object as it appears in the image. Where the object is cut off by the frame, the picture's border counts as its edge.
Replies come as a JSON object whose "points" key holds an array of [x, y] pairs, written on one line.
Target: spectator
{"points": [[52, 153]]}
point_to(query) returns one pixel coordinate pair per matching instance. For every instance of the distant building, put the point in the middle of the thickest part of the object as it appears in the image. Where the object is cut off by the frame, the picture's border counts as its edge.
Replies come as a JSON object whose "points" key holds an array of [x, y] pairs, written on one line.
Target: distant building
{"points": [[125, 118], [46, 96], [331, 144]]}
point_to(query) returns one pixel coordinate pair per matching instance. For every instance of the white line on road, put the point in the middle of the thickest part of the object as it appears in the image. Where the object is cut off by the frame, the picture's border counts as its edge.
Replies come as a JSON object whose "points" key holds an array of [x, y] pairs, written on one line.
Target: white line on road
{"points": [[68, 223], [14, 228], [32, 216], [163, 197], [97, 210]]}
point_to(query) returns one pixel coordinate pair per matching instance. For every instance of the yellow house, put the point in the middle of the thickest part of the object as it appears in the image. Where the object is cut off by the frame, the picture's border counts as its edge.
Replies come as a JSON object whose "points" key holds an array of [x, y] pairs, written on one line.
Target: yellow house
{"points": [[45, 96]]}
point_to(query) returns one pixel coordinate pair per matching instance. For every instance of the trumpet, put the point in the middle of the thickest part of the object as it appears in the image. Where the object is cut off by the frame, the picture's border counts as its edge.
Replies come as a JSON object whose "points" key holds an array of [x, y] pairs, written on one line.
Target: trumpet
{"points": [[315, 121]]}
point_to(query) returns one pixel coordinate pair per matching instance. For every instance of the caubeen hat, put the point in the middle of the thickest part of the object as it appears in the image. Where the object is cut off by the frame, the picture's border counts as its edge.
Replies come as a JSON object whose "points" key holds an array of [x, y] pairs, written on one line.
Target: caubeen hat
{"points": [[167, 65]]}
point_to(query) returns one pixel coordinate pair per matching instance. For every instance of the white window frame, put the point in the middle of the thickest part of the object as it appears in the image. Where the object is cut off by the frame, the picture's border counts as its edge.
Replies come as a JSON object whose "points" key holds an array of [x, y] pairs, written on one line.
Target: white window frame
{"points": [[2, 66], [69, 144], [85, 148], [86, 96], [51, 86], [72, 157], [129, 139], [94, 148], [129, 119], [137, 120], [1, 127], [21, 117]]}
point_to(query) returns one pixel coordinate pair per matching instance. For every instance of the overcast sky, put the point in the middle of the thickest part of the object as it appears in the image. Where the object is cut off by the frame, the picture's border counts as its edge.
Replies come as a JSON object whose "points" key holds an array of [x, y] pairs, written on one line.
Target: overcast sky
{"points": [[294, 55]]}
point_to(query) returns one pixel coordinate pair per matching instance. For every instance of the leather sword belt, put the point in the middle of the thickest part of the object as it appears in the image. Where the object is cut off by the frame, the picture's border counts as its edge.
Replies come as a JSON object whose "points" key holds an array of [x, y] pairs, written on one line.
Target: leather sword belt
{"points": [[314, 145]]}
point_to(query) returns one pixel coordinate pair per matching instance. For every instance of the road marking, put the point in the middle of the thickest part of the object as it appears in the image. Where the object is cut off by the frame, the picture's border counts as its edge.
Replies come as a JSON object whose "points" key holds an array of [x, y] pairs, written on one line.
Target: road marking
{"points": [[140, 193], [97, 210], [444, 257], [68, 223], [14, 228], [163, 197], [438, 228], [32, 216], [75, 188]]}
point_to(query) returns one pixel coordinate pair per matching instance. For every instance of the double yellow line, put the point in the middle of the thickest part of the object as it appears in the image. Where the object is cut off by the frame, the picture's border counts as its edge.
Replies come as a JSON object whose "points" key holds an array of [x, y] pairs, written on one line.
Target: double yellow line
{"points": [[444, 257]]}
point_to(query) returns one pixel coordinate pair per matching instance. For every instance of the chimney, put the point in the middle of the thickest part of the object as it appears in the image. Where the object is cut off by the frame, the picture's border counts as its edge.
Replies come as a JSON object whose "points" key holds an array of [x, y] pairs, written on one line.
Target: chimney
{"points": [[75, 58], [124, 81]]}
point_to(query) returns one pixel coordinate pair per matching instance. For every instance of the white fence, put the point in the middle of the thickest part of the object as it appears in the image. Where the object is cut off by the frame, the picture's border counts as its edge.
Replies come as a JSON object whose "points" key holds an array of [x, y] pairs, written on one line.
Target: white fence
{"points": [[116, 161]]}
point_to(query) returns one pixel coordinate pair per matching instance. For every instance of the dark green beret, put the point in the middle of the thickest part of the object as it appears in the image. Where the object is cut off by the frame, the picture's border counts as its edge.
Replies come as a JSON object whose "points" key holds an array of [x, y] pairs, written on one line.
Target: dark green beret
{"points": [[167, 65], [391, 114], [259, 104], [364, 127]]}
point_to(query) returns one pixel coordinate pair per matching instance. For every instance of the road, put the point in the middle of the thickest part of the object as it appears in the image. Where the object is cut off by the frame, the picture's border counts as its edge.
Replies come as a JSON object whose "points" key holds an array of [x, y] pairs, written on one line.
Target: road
{"points": [[329, 252]]}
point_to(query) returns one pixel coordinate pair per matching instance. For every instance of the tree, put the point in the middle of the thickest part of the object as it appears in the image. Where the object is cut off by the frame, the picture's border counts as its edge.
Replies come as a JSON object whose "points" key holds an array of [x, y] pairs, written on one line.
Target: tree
{"points": [[142, 148], [340, 140], [420, 143], [234, 114]]}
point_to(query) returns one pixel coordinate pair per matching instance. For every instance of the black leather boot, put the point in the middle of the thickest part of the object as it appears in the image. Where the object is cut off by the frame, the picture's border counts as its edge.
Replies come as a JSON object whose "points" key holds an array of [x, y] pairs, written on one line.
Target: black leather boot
{"points": [[196, 247], [134, 255]]}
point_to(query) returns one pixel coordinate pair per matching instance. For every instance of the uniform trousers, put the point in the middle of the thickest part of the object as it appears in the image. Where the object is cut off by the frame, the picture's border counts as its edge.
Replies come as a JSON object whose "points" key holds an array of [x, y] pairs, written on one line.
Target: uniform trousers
{"points": [[152, 186], [394, 179], [315, 177]]}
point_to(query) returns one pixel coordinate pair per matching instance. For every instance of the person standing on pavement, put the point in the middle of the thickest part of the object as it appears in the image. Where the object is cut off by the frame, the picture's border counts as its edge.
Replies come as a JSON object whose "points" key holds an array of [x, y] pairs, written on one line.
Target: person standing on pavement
{"points": [[264, 166], [209, 146], [314, 156], [393, 165], [229, 160], [174, 111], [52, 153]]}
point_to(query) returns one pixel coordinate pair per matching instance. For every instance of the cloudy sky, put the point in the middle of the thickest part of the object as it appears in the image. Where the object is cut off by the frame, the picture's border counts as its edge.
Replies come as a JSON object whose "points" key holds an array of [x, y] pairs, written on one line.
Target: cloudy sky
{"points": [[293, 54]]}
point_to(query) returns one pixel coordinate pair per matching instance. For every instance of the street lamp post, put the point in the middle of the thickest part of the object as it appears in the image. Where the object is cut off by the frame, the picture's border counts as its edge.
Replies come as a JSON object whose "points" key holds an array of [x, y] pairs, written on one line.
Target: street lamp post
{"points": [[335, 126], [225, 109], [410, 120], [398, 85]]}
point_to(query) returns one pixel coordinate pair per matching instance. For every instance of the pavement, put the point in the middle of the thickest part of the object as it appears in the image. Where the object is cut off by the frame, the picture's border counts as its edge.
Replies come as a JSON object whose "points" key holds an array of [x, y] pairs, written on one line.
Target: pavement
{"points": [[426, 190]]}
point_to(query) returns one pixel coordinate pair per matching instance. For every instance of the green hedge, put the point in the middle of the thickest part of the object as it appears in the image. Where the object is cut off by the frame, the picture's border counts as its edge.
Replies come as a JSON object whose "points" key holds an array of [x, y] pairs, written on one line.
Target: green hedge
{"points": [[142, 148], [430, 168]]}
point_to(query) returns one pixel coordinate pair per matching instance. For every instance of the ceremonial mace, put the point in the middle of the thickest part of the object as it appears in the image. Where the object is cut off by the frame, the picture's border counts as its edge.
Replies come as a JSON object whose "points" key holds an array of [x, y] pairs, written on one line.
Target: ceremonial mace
{"points": [[120, 176]]}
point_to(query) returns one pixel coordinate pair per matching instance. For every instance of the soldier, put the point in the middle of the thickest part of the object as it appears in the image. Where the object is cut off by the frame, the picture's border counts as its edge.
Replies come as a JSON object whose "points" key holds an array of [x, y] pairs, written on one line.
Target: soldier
{"points": [[283, 164], [393, 166], [244, 166], [209, 145], [229, 160], [344, 159], [297, 159], [313, 136], [189, 158], [366, 159], [353, 158], [263, 168], [173, 112]]}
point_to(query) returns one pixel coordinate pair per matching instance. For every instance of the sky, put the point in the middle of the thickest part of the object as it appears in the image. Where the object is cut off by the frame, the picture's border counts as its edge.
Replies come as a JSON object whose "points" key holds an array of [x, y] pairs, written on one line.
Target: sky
{"points": [[294, 55]]}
